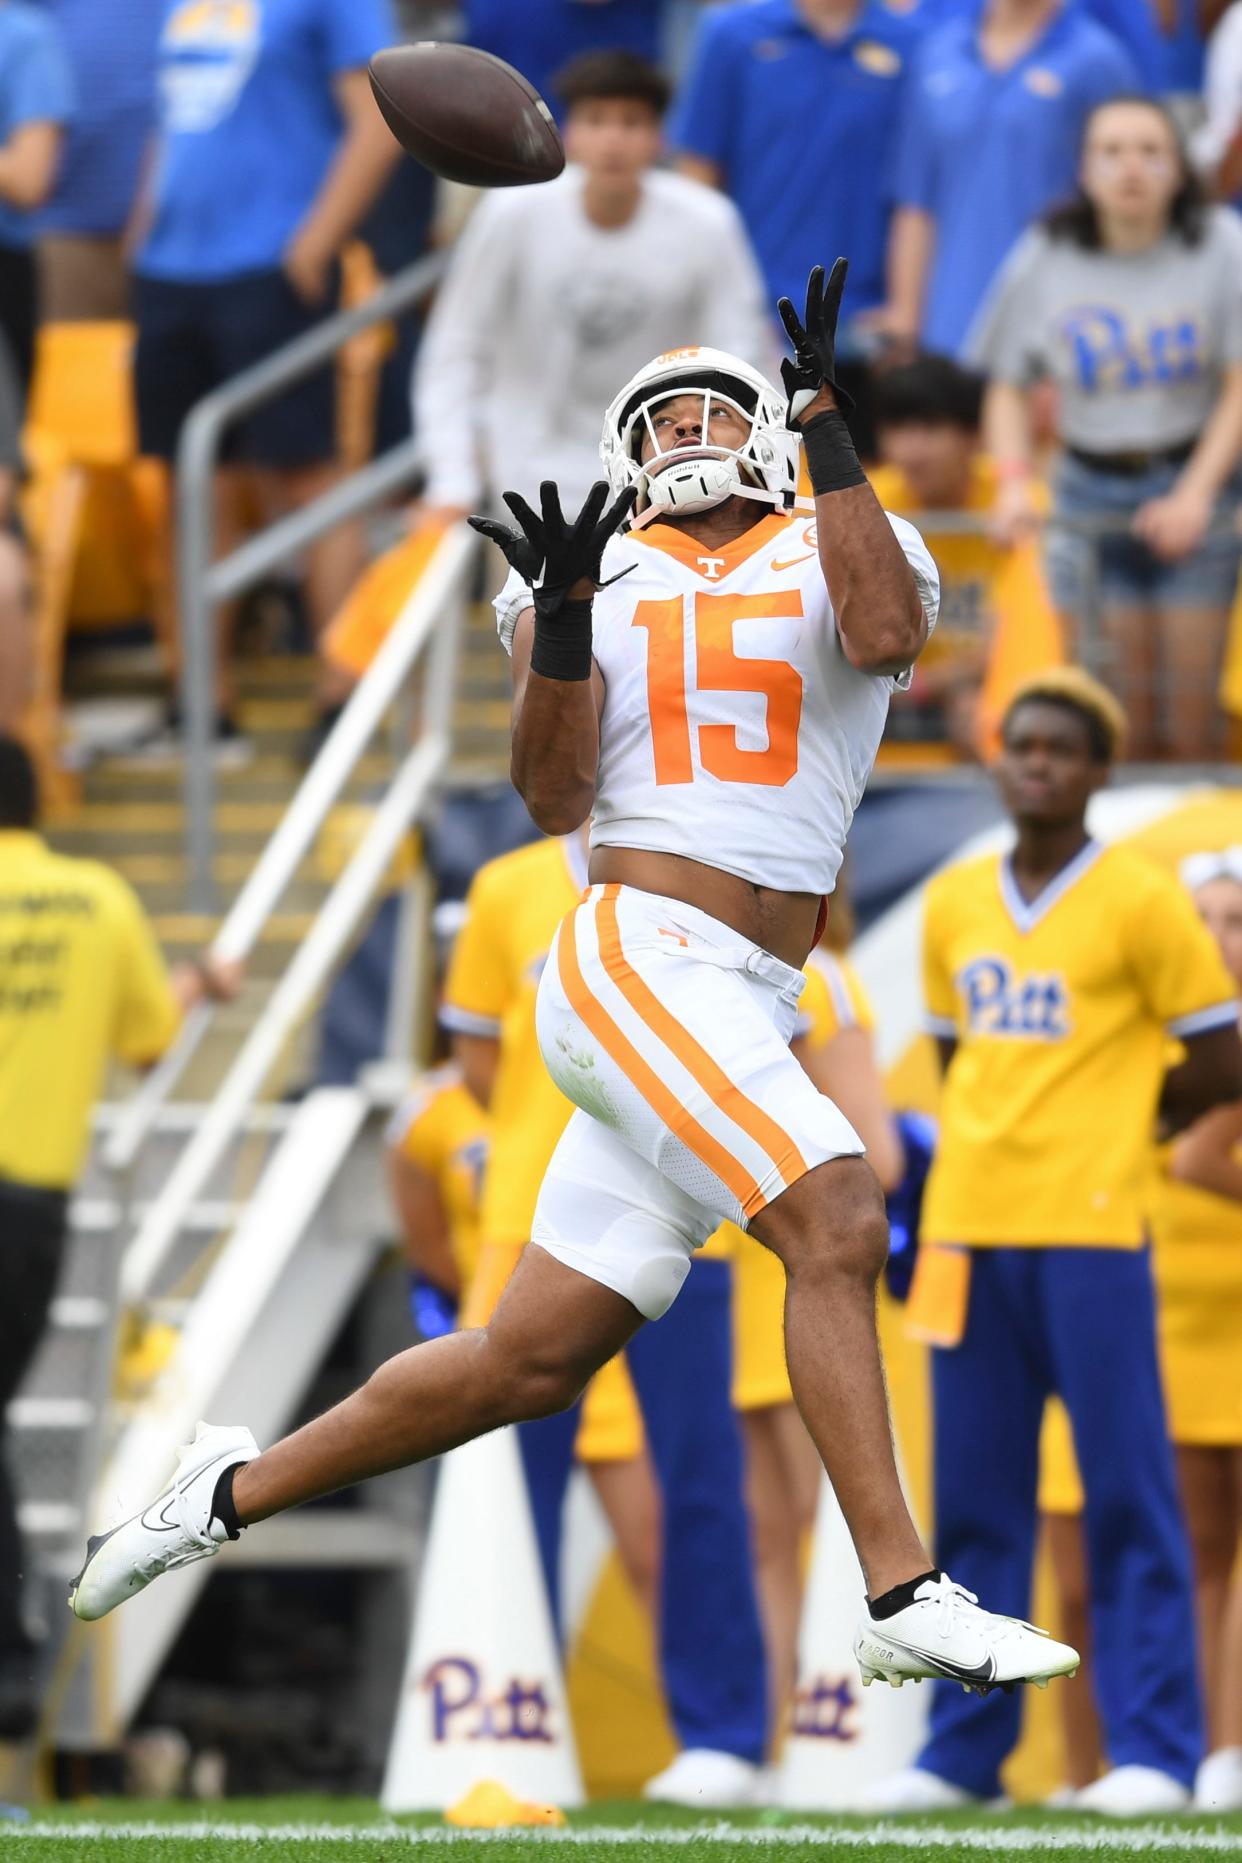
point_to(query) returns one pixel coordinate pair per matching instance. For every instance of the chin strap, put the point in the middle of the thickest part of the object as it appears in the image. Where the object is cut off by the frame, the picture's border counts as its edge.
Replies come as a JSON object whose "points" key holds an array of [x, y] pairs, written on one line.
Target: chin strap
{"points": [[693, 480]]}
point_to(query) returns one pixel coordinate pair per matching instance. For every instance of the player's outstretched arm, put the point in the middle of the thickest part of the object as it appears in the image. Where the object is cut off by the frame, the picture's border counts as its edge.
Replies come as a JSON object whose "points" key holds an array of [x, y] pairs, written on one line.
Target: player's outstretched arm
{"points": [[558, 688], [874, 595]]}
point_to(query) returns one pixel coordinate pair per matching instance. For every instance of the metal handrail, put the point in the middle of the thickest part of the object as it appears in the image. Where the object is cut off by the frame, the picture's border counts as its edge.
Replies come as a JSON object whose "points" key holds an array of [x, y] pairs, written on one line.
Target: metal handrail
{"points": [[202, 586], [305, 816], [423, 624]]}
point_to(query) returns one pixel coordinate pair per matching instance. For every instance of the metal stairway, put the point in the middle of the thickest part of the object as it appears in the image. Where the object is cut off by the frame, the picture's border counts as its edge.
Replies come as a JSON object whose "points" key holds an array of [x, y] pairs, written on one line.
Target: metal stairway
{"points": [[238, 1228]]}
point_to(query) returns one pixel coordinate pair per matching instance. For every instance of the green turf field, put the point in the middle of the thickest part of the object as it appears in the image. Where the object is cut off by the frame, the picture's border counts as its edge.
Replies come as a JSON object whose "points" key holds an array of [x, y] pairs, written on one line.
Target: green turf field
{"points": [[336, 1831]]}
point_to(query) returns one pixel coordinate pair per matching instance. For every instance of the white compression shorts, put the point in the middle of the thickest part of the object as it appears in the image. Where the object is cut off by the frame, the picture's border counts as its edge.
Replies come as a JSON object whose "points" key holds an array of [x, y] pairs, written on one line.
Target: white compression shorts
{"points": [[670, 1033]]}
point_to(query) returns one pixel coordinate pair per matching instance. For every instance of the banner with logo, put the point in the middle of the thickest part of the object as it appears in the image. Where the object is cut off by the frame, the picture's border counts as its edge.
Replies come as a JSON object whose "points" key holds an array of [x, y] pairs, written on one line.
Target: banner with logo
{"points": [[483, 1697]]}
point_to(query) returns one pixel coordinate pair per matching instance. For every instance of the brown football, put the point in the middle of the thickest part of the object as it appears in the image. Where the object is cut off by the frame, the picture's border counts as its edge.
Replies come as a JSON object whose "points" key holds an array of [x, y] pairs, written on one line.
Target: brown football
{"points": [[466, 115]]}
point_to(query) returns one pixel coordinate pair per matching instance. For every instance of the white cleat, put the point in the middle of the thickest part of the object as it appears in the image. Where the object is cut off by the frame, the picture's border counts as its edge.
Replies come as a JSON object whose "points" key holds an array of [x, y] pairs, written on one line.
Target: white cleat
{"points": [[175, 1529], [914, 1790], [707, 1780], [1218, 1783], [1133, 1792], [944, 1634]]}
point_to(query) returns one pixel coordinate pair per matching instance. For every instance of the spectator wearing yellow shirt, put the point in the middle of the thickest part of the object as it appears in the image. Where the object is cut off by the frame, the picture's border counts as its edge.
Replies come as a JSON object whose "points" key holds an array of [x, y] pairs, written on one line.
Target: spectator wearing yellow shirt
{"points": [[1196, 1224], [81, 982], [1054, 976], [996, 624], [437, 1152]]}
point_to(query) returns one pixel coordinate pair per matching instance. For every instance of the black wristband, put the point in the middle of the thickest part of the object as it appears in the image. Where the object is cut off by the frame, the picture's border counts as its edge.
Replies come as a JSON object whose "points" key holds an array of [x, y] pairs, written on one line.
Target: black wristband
{"points": [[562, 645], [830, 457]]}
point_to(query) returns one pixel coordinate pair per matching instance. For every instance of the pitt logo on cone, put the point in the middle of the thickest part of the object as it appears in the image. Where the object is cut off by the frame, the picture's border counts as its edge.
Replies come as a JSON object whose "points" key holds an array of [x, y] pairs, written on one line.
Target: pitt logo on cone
{"points": [[463, 1709]]}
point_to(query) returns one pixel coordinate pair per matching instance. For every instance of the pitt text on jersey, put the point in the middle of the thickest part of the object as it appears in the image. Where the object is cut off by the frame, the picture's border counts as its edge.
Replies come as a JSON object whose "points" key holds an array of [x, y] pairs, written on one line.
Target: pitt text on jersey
{"points": [[998, 1001]]}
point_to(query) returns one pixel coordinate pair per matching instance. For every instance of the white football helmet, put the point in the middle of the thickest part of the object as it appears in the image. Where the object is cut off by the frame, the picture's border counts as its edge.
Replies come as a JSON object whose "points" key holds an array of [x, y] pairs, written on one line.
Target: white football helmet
{"points": [[764, 467]]}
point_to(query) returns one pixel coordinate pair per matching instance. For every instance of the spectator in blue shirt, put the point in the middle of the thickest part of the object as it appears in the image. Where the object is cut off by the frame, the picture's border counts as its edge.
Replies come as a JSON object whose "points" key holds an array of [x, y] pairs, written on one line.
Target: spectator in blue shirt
{"points": [[110, 46], [270, 151], [992, 123], [792, 107], [537, 37], [34, 106]]}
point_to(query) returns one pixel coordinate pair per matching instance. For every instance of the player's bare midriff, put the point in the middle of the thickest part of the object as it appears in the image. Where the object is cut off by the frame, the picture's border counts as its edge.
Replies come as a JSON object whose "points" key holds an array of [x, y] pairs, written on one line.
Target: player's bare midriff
{"points": [[783, 923]]}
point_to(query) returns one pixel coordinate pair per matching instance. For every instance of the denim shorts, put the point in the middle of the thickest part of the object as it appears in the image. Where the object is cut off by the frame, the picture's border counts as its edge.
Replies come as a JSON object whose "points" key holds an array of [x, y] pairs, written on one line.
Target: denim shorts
{"points": [[1087, 572], [194, 336]]}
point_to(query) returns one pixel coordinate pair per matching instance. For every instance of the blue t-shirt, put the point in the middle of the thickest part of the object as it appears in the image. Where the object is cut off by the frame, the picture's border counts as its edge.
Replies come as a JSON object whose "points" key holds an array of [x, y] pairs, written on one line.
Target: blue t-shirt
{"points": [[986, 152], [1183, 51], [35, 87], [804, 130], [248, 126], [111, 50], [537, 37]]}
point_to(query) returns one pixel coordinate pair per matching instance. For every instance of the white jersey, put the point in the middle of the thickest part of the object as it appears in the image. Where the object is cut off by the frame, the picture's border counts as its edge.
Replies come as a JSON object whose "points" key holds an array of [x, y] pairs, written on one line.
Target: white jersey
{"points": [[734, 730]]}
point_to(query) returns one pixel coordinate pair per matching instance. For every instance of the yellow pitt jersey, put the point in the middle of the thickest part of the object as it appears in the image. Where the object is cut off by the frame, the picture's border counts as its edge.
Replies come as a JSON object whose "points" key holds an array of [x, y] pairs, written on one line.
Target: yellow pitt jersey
{"points": [[513, 910], [81, 980], [1061, 1009], [441, 1127], [834, 999]]}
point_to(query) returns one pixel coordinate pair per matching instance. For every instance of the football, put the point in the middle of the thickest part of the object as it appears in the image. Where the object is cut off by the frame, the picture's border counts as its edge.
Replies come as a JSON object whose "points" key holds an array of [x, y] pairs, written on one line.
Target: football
{"points": [[466, 115]]}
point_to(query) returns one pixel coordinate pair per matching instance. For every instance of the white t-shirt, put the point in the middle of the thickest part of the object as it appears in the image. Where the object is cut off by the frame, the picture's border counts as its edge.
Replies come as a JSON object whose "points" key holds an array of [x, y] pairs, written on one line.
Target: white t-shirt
{"points": [[1222, 92], [544, 316], [734, 730]]}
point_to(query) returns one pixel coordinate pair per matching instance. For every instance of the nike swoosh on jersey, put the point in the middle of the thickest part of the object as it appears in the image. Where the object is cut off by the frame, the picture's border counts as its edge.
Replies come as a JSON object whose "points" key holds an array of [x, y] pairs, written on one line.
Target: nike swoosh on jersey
{"points": [[958, 1672], [795, 560]]}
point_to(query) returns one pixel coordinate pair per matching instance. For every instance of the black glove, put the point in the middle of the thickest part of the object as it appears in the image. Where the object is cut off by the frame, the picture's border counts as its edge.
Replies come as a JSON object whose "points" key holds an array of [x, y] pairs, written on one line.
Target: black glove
{"points": [[552, 554], [814, 343]]}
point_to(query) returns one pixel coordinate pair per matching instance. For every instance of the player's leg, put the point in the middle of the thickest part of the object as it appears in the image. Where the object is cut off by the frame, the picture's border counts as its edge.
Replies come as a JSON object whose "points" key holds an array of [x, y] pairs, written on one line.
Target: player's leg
{"points": [[552, 1328], [830, 1232], [1205, 1477], [988, 1398], [783, 1474], [630, 1497], [612, 1447], [1142, 1597], [1219, 1784], [1080, 1724]]}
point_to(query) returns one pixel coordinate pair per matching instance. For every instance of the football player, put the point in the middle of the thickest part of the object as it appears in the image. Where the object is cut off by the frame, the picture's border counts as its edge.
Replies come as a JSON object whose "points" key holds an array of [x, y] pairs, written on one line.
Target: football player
{"points": [[710, 685]]}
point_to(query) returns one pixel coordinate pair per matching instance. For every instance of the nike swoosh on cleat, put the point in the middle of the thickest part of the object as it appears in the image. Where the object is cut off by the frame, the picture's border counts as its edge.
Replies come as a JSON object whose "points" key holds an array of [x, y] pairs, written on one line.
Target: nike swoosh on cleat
{"points": [[956, 1671]]}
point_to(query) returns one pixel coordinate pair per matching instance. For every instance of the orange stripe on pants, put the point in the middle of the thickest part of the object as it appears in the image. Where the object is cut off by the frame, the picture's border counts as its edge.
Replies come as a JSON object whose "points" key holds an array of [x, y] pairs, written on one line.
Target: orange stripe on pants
{"points": [[698, 1063], [621, 1050]]}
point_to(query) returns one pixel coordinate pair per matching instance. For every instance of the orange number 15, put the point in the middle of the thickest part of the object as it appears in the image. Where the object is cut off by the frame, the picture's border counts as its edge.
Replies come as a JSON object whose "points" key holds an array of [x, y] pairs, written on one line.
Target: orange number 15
{"points": [[719, 669]]}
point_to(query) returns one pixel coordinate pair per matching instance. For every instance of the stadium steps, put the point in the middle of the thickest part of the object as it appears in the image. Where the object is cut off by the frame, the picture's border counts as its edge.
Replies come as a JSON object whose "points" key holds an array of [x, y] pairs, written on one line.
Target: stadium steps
{"points": [[131, 816]]}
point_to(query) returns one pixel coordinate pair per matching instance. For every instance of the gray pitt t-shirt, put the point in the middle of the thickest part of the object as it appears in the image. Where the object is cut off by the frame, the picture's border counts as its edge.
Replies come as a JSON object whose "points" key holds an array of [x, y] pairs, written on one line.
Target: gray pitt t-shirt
{"points": [[1136, 342]]}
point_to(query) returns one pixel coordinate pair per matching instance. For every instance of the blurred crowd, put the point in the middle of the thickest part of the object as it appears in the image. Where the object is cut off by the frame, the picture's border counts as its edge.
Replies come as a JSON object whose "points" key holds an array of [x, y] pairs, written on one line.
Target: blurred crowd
{"points": [[1042, 325]]}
